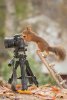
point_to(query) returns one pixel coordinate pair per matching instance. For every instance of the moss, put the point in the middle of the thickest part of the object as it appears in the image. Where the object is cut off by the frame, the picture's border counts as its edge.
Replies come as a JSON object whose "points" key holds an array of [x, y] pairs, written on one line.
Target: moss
{"points": [[21, 8]]}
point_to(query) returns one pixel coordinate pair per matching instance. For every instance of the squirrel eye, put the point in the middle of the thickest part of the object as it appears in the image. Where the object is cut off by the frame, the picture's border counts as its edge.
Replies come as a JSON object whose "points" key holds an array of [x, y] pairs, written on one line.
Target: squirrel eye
{"points": [[24, 36]]}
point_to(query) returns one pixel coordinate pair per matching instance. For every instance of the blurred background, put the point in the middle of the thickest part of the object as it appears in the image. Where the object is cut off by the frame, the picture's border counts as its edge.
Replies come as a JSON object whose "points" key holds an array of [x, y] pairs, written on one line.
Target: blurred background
{"points": [[48, 19]]}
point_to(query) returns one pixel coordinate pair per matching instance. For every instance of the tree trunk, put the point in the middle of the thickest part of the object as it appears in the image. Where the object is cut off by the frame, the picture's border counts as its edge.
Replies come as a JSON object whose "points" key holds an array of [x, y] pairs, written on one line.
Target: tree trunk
{"points": [[10, 22]]}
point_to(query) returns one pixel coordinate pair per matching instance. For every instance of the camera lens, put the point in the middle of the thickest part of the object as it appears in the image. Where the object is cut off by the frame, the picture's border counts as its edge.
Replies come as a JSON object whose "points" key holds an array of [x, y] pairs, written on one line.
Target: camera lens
{"points": [[9, 42]]}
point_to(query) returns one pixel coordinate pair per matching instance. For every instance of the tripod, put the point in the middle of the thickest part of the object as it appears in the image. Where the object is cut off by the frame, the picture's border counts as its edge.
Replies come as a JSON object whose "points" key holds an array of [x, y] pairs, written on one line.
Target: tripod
{"points": [[26, 72]]}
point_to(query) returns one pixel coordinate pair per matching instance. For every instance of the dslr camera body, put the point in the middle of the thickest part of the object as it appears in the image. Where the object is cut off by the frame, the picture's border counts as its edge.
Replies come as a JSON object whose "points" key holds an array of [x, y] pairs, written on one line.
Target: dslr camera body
{"points": [[15, 42]]}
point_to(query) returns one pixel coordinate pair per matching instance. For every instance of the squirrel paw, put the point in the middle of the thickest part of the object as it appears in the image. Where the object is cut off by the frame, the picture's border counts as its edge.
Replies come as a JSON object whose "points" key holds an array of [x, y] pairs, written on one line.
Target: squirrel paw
{"points": [[45, 54]]}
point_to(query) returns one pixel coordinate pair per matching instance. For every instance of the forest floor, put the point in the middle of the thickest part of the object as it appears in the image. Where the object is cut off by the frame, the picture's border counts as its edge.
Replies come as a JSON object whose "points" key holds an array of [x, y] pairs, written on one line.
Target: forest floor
{"points": [[44, 92]]}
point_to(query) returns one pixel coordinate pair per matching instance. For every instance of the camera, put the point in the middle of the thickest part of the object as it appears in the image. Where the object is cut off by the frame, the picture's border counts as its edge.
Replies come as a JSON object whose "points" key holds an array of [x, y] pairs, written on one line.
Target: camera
{"points": [[15, 41]]}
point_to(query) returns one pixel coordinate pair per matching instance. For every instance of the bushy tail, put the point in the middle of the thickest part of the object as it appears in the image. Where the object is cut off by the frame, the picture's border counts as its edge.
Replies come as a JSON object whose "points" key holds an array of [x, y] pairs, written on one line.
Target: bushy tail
{"points": [[59, 52]]}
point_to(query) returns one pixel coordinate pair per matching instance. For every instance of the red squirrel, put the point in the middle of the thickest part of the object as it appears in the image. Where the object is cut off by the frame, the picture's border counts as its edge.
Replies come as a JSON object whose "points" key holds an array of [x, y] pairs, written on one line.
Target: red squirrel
{"points": [[29, 36]]}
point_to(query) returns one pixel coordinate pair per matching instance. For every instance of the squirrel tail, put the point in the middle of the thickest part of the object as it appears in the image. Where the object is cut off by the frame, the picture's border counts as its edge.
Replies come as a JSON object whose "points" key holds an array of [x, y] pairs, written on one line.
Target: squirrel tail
{"points": [[59, 52]]}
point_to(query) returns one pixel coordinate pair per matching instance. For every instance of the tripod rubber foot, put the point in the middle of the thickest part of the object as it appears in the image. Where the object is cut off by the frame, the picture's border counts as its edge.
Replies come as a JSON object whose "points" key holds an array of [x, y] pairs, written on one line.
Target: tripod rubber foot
{"points": [[13, 88], [24, 92]]}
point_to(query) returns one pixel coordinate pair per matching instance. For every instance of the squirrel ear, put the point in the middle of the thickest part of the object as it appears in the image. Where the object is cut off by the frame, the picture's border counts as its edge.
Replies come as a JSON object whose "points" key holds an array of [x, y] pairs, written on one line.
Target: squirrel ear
{"points": [[28, 28]]}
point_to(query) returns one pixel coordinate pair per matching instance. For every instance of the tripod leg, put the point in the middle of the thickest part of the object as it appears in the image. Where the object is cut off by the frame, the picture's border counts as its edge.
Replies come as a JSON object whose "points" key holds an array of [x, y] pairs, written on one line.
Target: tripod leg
{"points": [[30, 73], [11, 79], [14, 81], [23, 76]]}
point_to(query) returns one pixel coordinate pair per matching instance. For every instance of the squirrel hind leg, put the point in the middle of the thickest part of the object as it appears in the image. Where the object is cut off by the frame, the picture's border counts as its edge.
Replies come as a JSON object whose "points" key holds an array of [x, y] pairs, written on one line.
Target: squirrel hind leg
{"points": [[44, 53], [58, 58]]}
